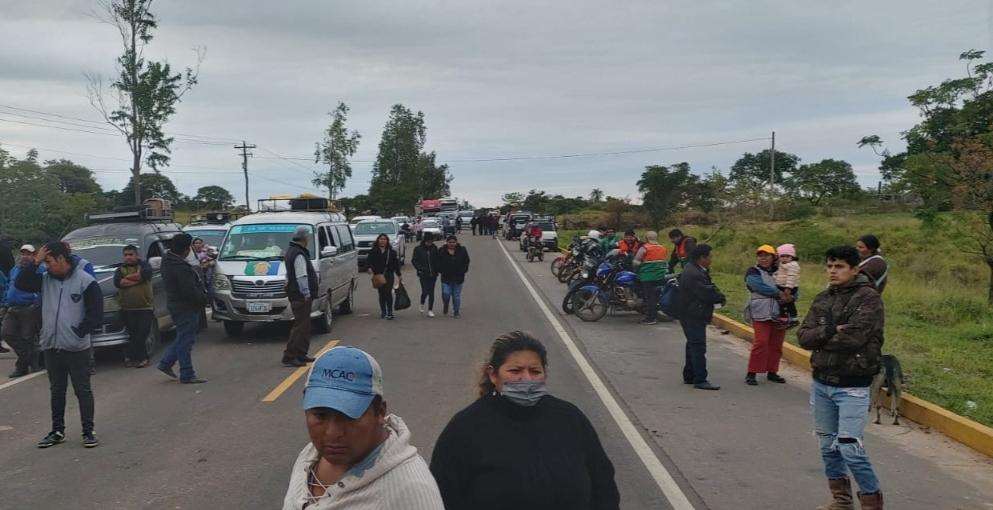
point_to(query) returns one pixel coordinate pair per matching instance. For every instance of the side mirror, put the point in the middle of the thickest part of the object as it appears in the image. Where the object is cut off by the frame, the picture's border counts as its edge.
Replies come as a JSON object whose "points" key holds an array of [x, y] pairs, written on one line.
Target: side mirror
{"points": [[155, 263], [329, 251]]}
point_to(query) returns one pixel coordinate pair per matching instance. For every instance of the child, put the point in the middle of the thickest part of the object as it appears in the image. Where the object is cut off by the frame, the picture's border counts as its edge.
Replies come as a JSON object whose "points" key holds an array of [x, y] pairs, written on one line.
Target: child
{"points": [[788, 280]]}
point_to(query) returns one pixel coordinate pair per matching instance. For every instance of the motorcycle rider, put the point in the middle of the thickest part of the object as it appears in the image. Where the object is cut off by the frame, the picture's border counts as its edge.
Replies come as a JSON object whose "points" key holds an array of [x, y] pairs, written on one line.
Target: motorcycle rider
{"points": [[592, 246], [534, 235], [650, 262], [629, 245]]}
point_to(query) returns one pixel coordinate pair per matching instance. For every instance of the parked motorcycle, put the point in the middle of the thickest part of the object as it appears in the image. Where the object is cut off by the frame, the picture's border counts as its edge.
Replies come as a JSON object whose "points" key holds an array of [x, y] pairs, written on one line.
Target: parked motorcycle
{"points": [[619, 289], [535, 251]]}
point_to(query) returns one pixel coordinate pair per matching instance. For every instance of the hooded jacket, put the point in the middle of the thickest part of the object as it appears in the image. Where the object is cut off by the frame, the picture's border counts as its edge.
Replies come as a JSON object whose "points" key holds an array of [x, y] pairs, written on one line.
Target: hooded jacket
{"points": [[424, 260], [184, 289], [393, 477], [848, 357]]}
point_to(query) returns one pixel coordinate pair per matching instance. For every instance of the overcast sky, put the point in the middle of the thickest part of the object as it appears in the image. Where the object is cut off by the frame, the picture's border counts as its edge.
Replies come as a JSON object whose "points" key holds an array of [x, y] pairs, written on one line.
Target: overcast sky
{"points": [[498, 79]]}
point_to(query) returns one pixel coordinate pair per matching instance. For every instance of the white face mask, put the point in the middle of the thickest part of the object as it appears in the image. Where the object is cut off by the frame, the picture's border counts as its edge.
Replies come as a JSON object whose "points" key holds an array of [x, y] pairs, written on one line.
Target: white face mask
{"points": [[524, 393]]}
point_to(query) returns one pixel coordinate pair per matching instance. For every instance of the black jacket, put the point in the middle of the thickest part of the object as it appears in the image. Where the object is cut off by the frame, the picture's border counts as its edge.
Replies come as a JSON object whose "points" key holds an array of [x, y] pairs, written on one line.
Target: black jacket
{"points": [[453, 268], [495, 454], [425, 260], [697, 294], [292, 286], [184, 288], [381, 262]]}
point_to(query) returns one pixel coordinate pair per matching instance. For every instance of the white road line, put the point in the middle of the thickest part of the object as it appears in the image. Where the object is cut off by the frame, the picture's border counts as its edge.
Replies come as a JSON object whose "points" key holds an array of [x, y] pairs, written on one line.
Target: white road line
{"points": [[32, 375], [663, 479]]}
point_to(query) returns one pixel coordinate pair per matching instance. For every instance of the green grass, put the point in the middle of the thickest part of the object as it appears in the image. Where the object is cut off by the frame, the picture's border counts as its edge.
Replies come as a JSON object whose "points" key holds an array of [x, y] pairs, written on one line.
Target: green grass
{"points": [[938, 322]]}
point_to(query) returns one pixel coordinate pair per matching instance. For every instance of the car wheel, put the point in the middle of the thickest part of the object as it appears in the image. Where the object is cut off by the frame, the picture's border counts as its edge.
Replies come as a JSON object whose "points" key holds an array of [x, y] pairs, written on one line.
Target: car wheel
{"points": [[327, 318], [348, 305], [234, 328], [153, 338]]}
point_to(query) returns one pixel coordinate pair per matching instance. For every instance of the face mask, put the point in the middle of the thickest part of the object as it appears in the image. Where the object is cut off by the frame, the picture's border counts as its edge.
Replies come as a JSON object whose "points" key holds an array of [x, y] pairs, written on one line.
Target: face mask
{"points": [[524, 393]]}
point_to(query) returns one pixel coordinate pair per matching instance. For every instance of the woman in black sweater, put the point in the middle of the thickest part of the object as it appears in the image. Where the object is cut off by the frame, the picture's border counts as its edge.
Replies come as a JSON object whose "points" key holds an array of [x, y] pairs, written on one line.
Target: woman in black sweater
{"points": [[518, 447], [383, 259]]}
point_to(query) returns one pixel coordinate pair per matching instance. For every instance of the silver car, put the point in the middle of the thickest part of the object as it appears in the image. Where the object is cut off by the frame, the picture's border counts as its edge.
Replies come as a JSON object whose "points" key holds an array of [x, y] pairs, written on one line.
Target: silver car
{"points": [[366, 233]]}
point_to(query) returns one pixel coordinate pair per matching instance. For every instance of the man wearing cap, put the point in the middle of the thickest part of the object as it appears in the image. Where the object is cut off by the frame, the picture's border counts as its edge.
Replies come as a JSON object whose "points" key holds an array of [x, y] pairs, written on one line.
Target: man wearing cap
{"points": [[359, 456], [301, 285], [186, 297], [23, 318]]}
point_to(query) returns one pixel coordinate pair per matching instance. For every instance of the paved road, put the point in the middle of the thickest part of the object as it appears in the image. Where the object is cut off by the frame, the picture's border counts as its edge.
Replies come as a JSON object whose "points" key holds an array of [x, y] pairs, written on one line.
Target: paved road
{"points": [[219, 446]]}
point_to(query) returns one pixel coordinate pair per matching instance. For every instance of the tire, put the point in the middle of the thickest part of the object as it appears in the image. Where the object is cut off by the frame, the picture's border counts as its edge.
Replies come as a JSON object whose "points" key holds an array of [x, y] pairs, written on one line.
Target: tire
{"points": [[234, 328], [566, 272], [557, 265], [567, 307], [541, 256], [326, 320], [589, 305], [154, 337], [348, 305]]}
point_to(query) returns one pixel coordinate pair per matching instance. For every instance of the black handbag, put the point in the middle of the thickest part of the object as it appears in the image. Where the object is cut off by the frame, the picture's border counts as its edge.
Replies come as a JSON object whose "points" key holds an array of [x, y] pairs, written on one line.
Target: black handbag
{"points": [[402, 300]]}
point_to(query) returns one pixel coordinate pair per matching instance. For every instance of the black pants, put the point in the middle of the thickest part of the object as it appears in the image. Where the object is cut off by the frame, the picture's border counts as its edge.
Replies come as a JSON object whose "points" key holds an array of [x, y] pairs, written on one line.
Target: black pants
{"points": [[20, 331], [386, 296], [298, 344], [695, 368], [63, 366], [427, 290], [138, 323], [650, 294], [790, 308]]}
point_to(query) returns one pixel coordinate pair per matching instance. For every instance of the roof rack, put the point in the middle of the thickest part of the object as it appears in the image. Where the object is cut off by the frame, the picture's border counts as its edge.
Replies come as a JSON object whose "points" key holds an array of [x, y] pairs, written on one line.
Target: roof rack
{"points": [[214, 218], [302, 203], [152, 209]]}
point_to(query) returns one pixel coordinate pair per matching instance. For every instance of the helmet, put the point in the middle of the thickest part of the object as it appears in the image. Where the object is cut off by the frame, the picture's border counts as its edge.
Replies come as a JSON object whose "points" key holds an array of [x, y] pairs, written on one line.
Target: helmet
{"points": [[593, 234]]}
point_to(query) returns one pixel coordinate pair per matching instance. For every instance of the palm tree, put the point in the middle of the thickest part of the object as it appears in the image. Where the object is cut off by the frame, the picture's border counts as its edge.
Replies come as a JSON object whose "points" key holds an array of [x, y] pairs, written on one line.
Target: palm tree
{"points": [[596, 196]]}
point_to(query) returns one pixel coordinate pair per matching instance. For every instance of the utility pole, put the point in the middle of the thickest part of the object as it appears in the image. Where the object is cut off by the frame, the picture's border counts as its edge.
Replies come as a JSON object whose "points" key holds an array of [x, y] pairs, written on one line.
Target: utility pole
{"points": [[244, 167], [772, 177]]}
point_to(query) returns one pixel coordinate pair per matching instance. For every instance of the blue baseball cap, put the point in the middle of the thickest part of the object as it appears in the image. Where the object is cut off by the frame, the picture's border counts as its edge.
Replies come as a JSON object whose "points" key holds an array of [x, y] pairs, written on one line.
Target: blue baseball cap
{"points": [[345, 379]]}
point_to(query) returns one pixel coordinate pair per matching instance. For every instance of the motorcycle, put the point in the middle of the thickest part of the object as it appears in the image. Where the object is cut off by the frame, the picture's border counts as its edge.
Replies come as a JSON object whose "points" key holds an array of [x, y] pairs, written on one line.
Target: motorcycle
{"points": [[594, 270], [535, 251], [617, 289]]}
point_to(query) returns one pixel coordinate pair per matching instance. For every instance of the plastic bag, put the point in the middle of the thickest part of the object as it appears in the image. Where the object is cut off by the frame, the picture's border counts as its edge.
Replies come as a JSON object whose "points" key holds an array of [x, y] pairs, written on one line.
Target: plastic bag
{"points": [[402, 300]]}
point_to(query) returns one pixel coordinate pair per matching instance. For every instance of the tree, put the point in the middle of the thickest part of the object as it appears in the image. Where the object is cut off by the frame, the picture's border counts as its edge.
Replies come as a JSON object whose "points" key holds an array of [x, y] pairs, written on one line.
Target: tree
{"points": [[72, 178], [355, 205], [338, 145], [432, 180], [213, 197], [754, 169], [147, 91], [596, 196], [829, 178], [710, 193], [513, 200], [536, 202], [666, 189], [616, 207], [33, 207], [972, 170], [150, 185]]}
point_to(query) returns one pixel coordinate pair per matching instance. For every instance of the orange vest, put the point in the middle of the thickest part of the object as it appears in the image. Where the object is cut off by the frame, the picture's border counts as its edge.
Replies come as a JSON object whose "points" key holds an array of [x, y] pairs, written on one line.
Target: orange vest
{"points": [[655, 252], [681, 249], [626, 248]]}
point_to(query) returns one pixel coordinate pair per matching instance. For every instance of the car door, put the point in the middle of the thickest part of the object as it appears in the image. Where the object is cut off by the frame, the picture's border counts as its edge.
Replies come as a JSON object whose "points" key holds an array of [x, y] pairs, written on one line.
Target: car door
{"points": [[157, 250], [347, 259], [325, 264]]}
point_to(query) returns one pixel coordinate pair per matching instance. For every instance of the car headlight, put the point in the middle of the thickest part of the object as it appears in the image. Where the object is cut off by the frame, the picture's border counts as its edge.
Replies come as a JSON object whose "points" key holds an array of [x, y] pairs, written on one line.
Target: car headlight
{"points": [[221, 282], [110, 304]]}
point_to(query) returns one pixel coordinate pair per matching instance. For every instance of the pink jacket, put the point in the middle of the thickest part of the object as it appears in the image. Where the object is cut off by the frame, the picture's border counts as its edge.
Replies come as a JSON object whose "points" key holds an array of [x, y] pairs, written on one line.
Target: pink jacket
{"points": [[788, 275]]}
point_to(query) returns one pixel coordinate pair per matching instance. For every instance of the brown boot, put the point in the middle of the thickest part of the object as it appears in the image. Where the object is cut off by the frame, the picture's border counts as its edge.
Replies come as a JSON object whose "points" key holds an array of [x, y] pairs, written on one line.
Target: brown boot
{"points": [[872, 501], [841, 490]]}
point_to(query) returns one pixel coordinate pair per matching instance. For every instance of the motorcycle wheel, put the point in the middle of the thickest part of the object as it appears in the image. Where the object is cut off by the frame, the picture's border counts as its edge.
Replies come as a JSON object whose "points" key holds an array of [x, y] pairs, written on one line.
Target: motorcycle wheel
{"points": [[530, 256], [566, 273], [541, 256], [557, 265], [567, 306], [589, 305]]}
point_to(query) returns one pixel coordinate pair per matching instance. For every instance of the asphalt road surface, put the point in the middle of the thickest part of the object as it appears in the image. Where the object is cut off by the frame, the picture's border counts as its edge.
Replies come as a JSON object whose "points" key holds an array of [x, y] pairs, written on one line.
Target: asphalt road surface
{"points": [[231, 442]]}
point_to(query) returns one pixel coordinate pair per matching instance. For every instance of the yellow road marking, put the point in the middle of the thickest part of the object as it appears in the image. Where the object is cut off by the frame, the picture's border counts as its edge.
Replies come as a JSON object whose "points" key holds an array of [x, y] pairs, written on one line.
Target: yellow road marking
{"points": [[298, 373]]}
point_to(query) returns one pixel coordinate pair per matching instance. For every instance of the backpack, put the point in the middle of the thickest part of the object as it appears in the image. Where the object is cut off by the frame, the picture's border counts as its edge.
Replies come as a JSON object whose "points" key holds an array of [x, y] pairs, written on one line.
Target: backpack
{"points": [[669, 300]]}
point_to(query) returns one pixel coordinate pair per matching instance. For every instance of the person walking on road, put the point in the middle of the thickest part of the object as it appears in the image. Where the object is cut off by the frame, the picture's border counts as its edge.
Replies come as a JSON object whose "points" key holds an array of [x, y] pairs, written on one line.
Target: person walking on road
{"points": [[697, 297], [71, 307], [425, 261], [359, 456], [650, 262], [474, 222], [133, 279], [22, 318], [844, 329], [872, 262], [516, 443], [384, 261], [682, 246], [185, 298], [453, 264], [763, 312], [301, 285]]}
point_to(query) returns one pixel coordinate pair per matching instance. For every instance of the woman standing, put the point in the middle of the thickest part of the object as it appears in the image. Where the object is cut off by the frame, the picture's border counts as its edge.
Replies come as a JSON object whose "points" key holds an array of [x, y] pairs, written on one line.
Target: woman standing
{"points": [[763, 312], [425, 262], [517, 446], [873, 264], [383, 260], [453, 264]]}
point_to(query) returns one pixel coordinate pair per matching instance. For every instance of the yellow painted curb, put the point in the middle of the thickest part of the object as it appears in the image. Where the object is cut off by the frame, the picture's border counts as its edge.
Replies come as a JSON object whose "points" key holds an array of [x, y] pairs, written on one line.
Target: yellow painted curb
{"points": [[968, 432]]}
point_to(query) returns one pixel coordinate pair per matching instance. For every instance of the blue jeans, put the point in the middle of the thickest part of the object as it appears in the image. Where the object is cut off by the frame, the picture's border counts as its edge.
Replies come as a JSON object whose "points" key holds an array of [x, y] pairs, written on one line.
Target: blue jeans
{"points": [[452, 291], [181, 349], [840, 415]]}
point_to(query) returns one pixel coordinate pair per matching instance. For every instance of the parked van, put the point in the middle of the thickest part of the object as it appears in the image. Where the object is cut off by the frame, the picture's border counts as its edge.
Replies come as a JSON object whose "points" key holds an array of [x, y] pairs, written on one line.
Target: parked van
{"points": [[102, 243], [250, 277]]}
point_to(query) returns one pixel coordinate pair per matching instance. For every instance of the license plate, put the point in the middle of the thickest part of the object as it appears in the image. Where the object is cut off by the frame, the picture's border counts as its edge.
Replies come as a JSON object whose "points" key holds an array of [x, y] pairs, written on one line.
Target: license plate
{"points": [[259, 307]]}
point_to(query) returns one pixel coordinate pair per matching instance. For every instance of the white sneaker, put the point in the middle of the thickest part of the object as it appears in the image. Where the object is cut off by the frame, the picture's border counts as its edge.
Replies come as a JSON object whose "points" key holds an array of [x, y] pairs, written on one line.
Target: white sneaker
{"points": [[430, 313]]}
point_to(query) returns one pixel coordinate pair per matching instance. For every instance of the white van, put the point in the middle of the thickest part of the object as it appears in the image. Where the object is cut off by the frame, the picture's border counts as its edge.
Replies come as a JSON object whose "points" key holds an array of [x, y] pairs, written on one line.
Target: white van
{"points": [[250, 276]]}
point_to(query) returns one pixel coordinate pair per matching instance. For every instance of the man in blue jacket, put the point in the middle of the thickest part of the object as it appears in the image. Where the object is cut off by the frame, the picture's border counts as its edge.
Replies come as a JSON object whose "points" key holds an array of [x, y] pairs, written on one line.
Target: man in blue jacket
{"points": [[23, 317], [71, 307]]}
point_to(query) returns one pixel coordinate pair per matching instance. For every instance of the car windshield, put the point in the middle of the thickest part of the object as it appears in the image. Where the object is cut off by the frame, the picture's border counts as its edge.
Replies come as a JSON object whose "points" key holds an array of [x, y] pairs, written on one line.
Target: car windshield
{"points": [[260, 242], [377, 227], [210, 237], [105, 253]]}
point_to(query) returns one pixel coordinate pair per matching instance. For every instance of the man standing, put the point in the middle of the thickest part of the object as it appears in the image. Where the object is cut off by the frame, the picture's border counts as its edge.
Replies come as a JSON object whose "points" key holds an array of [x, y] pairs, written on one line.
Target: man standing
{"points": [[682, 247], [473, 223], [301, 285], [651, 266], [844, 329], [133, 280], [71, 307], [20, 324], [452, 265], [185, 297], [697, 297]]}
